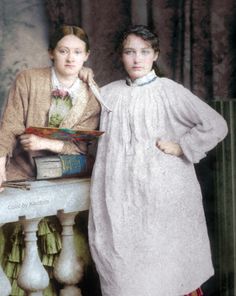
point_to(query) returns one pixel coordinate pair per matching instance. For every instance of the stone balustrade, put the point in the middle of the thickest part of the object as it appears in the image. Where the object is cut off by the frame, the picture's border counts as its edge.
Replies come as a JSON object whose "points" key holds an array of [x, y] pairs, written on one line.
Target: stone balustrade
{"points": [[62, 197]]}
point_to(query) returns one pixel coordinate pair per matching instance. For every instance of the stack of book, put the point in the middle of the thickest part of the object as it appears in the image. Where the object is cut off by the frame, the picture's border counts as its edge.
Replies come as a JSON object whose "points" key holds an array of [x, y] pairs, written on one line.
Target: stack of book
{"points": [[60, 166]]}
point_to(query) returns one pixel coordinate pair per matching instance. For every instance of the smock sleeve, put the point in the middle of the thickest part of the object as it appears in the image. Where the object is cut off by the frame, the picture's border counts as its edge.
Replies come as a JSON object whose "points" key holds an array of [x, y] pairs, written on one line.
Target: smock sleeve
{"points": [[206, 127]]}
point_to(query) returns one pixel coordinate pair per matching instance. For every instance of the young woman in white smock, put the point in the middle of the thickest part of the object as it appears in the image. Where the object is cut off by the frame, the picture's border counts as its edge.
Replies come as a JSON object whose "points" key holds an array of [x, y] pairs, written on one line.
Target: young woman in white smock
{"points": [[147, 228]]}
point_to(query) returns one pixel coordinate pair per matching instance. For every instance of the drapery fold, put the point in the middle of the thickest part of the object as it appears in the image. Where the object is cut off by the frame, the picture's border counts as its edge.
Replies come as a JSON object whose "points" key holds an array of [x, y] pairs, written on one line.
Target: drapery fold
{"points": [[63, 12]]}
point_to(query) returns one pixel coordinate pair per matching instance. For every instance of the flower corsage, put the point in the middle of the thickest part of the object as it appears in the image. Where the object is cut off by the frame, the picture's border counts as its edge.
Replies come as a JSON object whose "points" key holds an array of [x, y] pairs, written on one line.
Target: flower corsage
{"points": [[61, 105]]}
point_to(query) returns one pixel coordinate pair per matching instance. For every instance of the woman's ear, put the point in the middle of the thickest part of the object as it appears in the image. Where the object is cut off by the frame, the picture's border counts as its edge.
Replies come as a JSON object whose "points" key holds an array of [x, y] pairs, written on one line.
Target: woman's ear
{"points": [[50, 53], [156, 56], [87, 56]]}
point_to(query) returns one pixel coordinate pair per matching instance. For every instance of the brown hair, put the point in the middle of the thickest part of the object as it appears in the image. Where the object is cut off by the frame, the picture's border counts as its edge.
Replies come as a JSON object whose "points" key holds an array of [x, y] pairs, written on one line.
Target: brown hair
{"points": [[147, 35], [64, 30], [143, 32]]}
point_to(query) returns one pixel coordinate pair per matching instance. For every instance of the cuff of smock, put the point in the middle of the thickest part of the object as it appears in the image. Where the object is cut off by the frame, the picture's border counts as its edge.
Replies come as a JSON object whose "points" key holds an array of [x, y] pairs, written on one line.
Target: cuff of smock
{"points": [[192, 155]]}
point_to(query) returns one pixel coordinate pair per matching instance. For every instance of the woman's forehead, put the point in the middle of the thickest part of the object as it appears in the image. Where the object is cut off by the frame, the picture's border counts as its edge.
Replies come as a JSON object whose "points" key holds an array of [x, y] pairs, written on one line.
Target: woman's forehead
{"points": [[71, 40], [134, 41]]}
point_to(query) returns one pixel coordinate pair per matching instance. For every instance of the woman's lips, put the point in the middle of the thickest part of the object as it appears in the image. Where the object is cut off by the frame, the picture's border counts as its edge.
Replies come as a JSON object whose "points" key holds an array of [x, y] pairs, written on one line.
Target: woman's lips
{"points": [[137, 68], [69, 66]]}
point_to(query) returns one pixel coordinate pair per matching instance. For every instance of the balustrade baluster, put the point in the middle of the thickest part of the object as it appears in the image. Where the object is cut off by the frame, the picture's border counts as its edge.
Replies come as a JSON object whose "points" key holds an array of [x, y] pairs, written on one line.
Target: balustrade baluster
{"points": [[46, 198], [68, 268], [33, 278]]}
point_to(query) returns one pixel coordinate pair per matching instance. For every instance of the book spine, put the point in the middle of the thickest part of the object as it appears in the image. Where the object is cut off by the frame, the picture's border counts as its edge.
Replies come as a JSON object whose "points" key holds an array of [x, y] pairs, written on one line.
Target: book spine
{"points": [[75, 165]]}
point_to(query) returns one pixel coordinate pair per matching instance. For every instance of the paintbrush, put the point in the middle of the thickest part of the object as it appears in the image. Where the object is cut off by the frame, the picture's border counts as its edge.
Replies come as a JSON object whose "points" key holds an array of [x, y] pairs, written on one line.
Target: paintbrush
{"points": [[17, 185]]}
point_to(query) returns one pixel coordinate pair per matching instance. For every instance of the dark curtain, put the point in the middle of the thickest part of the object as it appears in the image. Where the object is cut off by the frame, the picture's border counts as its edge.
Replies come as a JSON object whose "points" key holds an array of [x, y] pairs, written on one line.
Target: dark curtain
{"points": [[198, 44], [197, 38], [63, 12], [101, 21]]}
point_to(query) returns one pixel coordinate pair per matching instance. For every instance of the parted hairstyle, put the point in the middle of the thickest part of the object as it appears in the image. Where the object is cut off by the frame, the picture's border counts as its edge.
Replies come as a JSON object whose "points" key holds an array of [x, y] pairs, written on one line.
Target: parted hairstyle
{"points": [[143, 32], [64, 30], [147, 35]]}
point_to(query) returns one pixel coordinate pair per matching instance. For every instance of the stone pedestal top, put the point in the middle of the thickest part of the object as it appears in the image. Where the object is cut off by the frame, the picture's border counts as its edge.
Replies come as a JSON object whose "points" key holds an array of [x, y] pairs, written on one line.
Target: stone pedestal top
{"points": [[45, 198]]}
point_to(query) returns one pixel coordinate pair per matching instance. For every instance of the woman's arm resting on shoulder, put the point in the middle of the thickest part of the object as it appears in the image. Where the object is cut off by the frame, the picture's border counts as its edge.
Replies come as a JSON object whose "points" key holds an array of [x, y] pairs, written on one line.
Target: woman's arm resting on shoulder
{"points": [[2, 171], [86, 74]]}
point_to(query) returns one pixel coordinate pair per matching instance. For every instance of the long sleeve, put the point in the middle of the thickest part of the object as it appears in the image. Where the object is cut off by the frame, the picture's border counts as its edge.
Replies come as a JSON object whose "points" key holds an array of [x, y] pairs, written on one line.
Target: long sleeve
{"points": [[14, 116], [206, 127]]}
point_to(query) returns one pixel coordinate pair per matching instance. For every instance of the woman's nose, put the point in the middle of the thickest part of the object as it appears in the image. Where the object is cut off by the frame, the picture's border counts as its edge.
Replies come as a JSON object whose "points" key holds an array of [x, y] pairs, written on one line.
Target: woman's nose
{"points": [[137, 57], [70, 56]]}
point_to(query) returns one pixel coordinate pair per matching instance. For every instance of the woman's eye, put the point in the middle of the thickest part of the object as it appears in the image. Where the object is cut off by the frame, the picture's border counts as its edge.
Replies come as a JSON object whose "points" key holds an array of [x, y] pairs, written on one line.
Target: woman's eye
{"points": [[77, 52], [145, 51], [63, 51], [128, 52]]}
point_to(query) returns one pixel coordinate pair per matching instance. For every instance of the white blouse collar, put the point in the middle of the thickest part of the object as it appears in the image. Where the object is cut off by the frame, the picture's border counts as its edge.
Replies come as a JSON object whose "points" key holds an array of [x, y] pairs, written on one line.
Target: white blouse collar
{"points": [[151, 76], [73, 90]]}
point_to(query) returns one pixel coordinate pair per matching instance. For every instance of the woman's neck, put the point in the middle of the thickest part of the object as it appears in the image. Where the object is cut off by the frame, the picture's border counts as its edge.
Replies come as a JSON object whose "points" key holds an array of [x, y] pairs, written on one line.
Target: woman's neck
{"points": [[66, 81]]}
